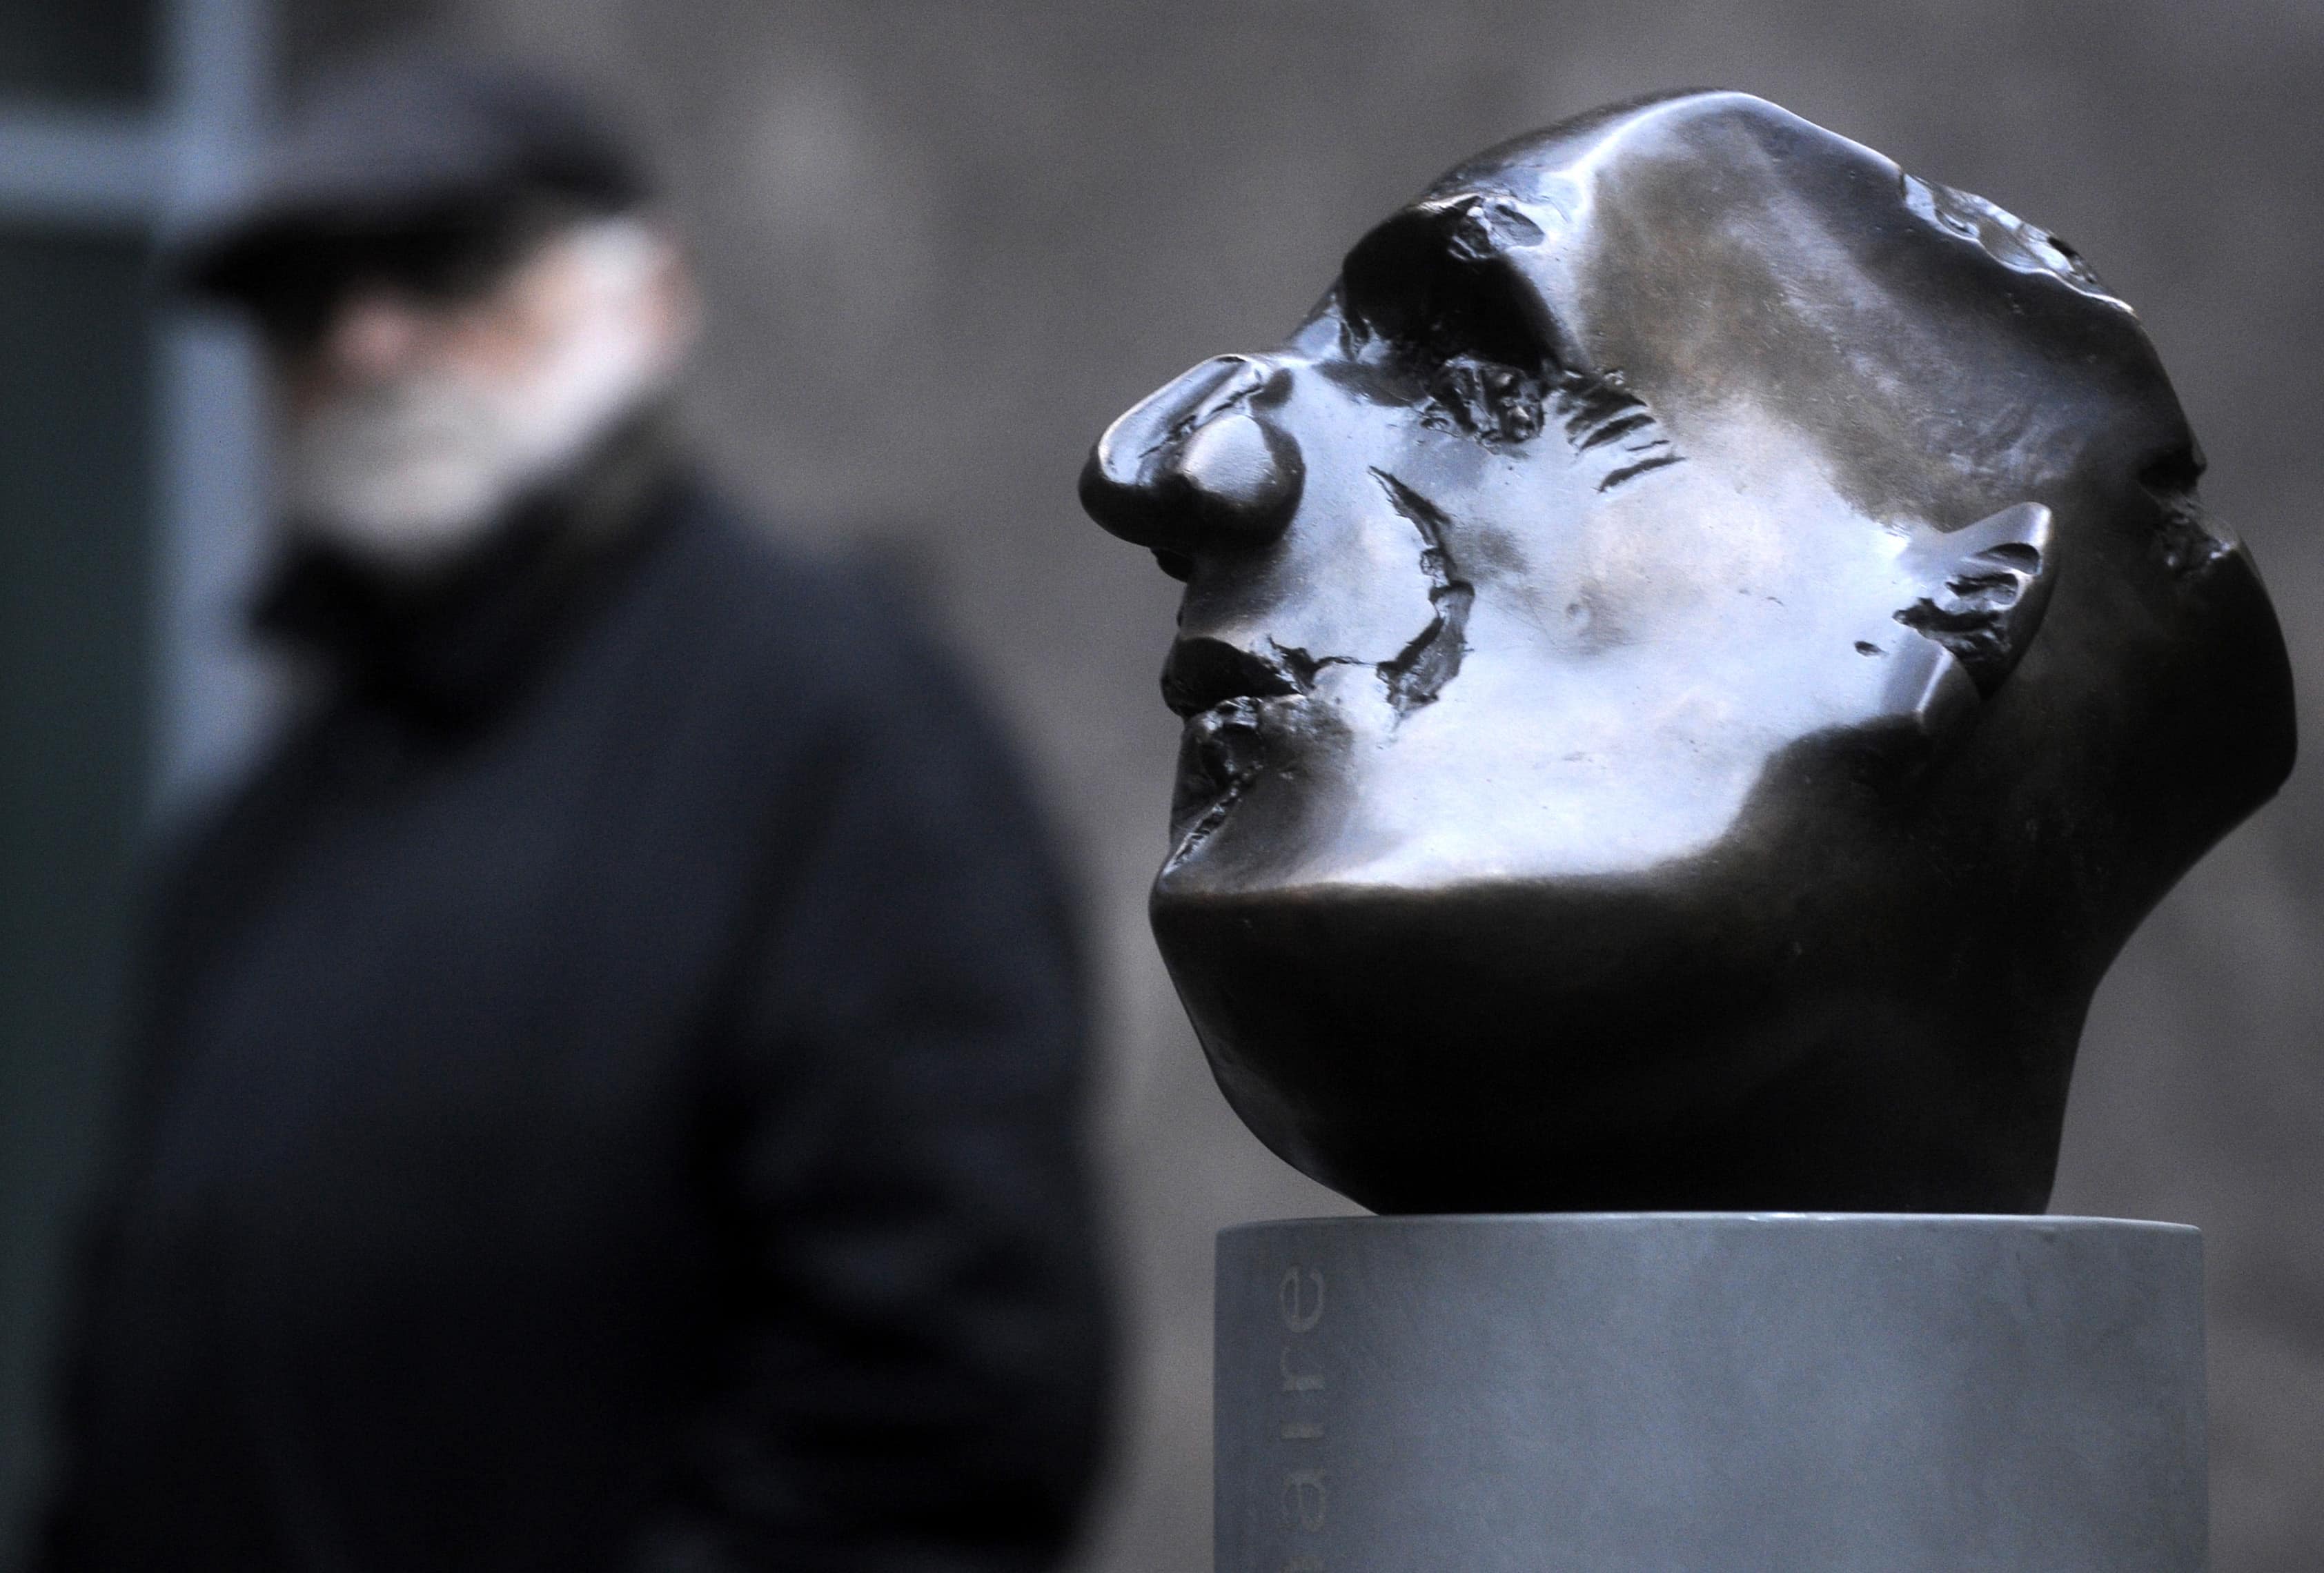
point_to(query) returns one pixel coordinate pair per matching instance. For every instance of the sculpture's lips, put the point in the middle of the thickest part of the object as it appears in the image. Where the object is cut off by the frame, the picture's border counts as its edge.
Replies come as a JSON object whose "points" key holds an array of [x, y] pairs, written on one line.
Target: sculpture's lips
{"points": [[1220, 753], [1203, 672], [1220, 689]]}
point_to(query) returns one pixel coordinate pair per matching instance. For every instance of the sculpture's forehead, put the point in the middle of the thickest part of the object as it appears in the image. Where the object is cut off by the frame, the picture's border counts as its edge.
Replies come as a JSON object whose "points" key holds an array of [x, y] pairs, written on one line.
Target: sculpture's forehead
{"points": [[1687, 240], [1697, 156], [1722, 254], [1704, 133]]}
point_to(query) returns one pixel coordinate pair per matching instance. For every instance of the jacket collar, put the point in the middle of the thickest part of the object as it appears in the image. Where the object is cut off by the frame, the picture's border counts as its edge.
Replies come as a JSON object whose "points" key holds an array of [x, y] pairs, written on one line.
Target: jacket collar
{"points": [[447, 648]]}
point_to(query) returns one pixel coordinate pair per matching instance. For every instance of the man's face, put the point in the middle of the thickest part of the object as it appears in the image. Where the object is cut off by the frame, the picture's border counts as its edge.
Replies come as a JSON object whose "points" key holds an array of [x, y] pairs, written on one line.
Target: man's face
{"points": [[423, 381], [1468, 599]]}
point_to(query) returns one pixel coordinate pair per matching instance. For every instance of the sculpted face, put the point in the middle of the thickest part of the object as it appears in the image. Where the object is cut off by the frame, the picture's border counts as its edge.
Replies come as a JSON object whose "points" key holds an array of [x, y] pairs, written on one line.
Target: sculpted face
{"points": [[1695, 657]]}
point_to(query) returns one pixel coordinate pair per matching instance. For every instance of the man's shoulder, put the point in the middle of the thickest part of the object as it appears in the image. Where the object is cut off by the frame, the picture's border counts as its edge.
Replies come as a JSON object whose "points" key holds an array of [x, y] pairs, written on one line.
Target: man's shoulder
{"points": [[825, 629], [739, 572], [768, 653]]}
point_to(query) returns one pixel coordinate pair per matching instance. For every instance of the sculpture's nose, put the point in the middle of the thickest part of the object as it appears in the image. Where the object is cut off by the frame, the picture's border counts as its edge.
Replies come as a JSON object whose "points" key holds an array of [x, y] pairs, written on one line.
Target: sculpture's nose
{"points": [[1198, 463]]}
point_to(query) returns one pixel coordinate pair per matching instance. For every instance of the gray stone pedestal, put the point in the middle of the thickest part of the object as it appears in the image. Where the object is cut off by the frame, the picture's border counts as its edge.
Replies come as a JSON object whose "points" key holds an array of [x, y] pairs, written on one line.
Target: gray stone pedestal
{"points": [[1681, 1393]]}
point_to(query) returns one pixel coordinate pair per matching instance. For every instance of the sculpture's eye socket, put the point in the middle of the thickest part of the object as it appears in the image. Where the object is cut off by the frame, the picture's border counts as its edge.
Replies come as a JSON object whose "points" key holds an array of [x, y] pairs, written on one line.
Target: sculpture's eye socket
{"points": [[1432, 294], [1431, 282]]}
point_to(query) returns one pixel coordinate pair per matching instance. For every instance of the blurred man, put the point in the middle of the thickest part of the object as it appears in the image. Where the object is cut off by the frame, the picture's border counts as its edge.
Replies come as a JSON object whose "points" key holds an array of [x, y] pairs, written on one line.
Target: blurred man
{"points": [[610, 1080]]}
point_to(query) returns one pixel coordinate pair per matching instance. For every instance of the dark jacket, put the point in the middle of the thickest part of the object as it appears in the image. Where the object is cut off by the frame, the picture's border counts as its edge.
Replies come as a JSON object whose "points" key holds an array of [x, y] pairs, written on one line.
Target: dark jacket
{"points": [[610, 1102]]}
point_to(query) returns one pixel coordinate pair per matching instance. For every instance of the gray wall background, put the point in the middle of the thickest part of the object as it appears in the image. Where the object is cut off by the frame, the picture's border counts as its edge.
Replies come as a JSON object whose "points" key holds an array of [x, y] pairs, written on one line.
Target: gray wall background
{"points": [[945, 240]]}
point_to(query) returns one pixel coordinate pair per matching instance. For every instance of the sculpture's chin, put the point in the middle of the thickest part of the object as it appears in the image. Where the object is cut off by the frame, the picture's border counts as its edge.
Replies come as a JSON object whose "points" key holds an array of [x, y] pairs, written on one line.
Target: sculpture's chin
{"points": [[1573, 1046]]}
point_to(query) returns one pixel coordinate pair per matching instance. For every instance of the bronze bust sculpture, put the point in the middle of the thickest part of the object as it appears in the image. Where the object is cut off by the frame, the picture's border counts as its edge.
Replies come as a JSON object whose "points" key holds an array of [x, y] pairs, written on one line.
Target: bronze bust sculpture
{"points": [[1695, 656]]}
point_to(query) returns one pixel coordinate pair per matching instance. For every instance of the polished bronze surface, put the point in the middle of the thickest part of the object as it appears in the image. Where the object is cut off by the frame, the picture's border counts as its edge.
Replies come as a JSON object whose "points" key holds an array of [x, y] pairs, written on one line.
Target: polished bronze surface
{"points": [[1695, 658]]}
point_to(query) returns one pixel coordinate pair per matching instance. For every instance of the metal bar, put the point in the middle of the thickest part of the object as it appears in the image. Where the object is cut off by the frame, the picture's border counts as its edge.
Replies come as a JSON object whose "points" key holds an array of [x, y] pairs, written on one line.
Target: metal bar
{"points": [[213, 695], [78, 167]]}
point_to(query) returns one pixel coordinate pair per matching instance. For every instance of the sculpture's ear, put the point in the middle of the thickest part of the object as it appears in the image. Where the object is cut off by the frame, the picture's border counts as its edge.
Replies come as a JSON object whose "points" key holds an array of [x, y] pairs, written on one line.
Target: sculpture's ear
{"points": [[1985, 588]]}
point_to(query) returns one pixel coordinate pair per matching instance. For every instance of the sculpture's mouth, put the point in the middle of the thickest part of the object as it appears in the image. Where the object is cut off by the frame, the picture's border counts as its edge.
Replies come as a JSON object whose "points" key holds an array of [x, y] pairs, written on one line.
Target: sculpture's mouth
{"points": [[1203, 674], [1223, 691]]}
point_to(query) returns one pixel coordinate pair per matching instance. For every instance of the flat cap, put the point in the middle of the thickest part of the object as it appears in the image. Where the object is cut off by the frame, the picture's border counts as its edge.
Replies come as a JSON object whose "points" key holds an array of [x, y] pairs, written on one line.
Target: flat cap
{"points": [[403, 136]]}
